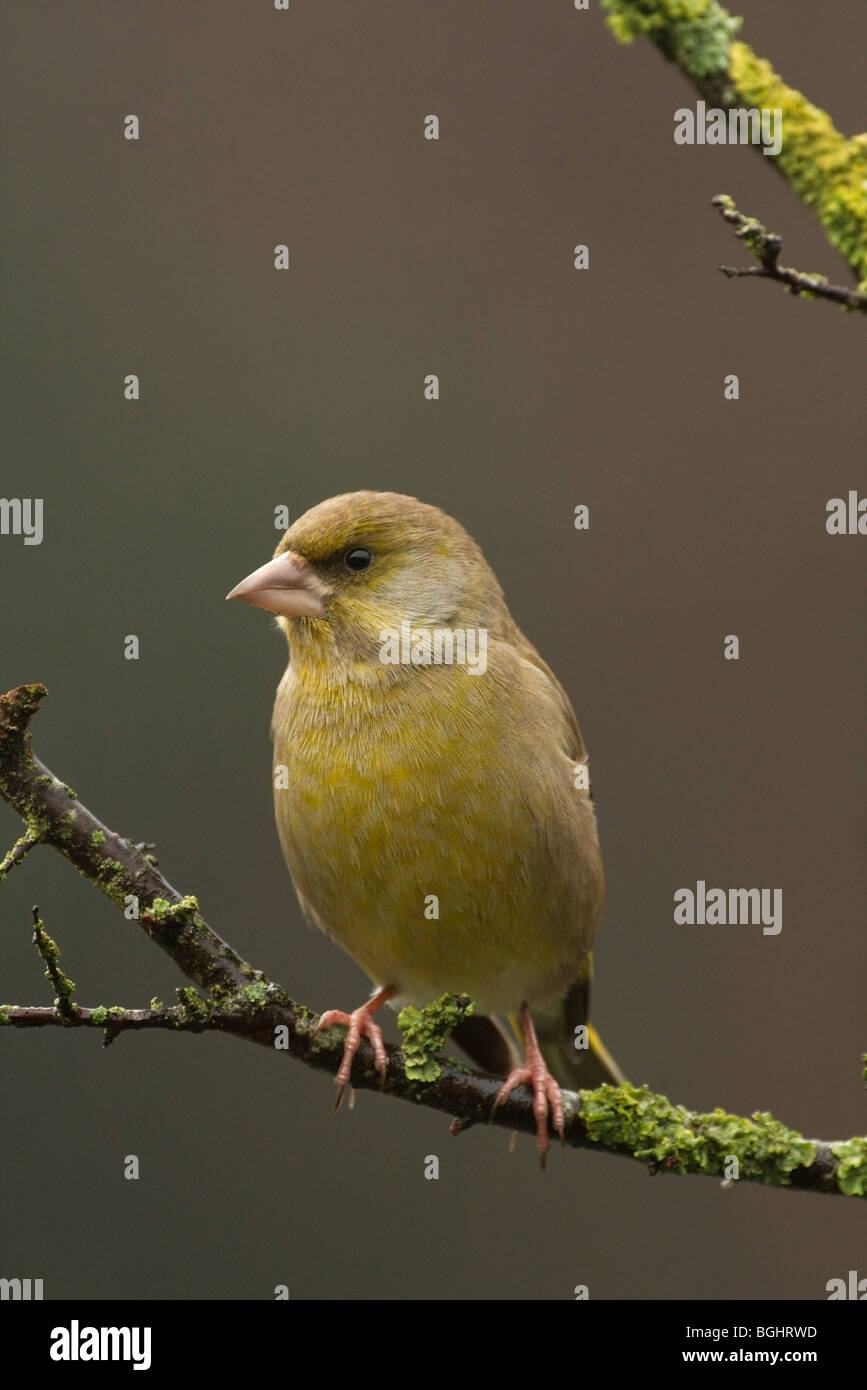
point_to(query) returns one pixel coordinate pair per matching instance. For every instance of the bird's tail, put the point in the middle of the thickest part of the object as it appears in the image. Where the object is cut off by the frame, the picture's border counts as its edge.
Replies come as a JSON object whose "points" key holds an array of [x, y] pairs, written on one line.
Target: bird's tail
{"points": [[574, 1051]]}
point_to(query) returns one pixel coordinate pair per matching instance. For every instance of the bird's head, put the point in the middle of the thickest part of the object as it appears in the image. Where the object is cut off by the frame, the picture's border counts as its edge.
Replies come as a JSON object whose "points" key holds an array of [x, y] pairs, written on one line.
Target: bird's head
{"points": [[366, 561]]}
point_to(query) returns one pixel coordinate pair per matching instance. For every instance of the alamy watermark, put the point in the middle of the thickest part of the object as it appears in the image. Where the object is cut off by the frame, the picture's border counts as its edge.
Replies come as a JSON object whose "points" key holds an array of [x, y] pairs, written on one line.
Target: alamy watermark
{"points": [[20, 1289], [738, 126], [22, 516], [435, 646], [77, 1343], [738, 907]]}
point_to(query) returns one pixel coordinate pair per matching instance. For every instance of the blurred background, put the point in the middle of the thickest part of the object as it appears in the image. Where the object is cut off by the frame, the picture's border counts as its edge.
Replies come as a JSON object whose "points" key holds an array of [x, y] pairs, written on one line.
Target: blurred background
{"points": [[558, 387]]}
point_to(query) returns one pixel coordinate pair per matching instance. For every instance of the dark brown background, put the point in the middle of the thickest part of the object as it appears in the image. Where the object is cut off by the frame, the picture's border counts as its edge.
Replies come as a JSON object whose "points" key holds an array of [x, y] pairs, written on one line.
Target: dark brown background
{"points": [[260, 388]]}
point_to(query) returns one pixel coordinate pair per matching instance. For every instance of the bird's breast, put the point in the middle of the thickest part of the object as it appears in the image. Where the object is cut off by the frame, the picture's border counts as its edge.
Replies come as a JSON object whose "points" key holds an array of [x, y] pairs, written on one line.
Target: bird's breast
{"points": [[432, 827]]}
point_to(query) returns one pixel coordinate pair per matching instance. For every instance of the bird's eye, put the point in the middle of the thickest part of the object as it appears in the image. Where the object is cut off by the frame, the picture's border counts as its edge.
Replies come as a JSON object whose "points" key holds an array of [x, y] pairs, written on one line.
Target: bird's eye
{"points": [[358, 558]]}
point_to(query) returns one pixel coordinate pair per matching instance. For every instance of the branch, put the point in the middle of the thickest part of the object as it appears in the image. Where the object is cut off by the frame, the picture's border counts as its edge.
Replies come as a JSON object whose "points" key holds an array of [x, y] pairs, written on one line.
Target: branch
{"points": [[824, 168], [17, 853], [766, 247], [50, 953], [242, 1002], [53, 815]]}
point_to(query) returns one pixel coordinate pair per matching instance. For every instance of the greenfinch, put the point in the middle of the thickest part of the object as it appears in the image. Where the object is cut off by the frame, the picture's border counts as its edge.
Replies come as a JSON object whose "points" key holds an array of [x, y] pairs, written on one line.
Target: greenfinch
{"points": [[431, 793]]}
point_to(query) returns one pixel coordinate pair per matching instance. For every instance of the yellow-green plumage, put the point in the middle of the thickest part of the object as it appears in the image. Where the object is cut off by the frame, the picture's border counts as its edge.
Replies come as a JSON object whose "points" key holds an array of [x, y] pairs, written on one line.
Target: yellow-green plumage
{"points": [[444, 783]]}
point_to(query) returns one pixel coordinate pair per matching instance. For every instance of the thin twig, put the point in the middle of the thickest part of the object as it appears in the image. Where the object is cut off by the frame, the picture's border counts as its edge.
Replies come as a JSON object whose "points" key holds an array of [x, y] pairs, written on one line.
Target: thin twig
{"points": [[50, 953], [766, 247], [17, 853]]}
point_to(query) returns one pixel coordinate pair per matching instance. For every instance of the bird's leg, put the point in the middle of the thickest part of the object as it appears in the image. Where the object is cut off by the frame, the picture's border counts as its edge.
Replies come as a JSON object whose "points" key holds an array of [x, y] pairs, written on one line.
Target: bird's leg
{"points": [[546, 1092], [359, 1024]]}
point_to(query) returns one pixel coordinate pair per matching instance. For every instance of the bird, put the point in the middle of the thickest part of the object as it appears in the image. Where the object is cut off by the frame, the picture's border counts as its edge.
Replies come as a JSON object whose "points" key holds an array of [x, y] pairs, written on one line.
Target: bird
{"points": [[432, 793]]}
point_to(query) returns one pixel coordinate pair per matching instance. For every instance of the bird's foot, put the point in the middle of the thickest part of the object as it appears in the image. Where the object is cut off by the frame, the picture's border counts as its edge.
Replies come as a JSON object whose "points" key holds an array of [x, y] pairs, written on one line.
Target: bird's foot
{"points": [[359, 1024], [546, 1093]]}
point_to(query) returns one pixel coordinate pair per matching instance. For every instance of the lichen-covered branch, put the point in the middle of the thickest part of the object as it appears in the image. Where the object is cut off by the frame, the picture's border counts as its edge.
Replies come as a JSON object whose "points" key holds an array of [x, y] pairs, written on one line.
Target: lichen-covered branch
{"points": [[17, 853], [826, 169], [53, 815], [766, 247], [50, 953], [238, 1000]]}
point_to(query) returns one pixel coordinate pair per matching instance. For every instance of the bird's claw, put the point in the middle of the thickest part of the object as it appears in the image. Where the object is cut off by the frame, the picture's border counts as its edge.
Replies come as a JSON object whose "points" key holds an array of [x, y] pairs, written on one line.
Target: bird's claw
{"points": [[546, 1093], [359, 1024]]}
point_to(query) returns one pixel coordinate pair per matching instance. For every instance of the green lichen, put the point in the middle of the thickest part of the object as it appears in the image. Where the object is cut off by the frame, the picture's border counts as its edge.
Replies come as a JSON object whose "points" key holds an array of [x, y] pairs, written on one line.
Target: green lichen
{"points": [[101, 1015], [256, 995], [4, 1015], [161, 910], [424, 1033], [63, 829], [659, 1133], [156, 1005], [37, 825], [222, 992], [21, 847], [110, 876], [851, 1157], [696, 34], [825, 169], [196, 1009], [97, 837], [50, 953], [753, 233]]}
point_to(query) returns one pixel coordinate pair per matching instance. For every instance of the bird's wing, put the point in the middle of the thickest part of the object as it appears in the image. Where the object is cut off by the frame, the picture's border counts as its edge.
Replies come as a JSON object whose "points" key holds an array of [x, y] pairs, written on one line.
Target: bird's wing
{"points": [[556, 1022], [573, 745]]}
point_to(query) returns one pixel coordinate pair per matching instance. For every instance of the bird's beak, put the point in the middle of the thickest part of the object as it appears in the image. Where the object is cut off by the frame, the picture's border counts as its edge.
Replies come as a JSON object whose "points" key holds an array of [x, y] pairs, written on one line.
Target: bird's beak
{"points": [[286, 585]]}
